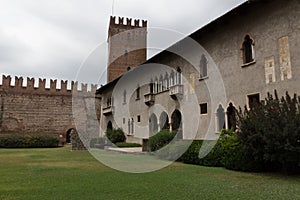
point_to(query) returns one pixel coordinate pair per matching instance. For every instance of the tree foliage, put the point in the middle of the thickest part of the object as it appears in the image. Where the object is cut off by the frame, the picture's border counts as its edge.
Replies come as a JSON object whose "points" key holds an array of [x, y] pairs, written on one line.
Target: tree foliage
{"points": [[270, 134]]}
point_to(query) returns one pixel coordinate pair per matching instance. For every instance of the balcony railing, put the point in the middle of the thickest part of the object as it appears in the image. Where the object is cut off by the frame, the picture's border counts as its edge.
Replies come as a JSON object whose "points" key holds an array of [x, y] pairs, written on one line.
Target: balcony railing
{"points": [[176, 90], [107, 110], [149, 99]]}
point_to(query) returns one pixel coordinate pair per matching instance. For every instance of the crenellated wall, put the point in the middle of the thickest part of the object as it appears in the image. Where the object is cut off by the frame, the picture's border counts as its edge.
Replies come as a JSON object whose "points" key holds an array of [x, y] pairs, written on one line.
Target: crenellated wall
{"points": [[127, 44], [39, 109]]}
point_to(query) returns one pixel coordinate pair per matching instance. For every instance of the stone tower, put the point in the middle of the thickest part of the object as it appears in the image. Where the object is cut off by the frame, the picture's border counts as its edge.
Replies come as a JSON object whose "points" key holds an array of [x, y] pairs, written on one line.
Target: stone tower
{"points": [[127, 46]]}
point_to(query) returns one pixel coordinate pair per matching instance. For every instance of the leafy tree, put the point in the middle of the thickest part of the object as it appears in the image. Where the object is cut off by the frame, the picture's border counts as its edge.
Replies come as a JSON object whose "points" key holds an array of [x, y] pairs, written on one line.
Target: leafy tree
{"points": [[270, 134]]}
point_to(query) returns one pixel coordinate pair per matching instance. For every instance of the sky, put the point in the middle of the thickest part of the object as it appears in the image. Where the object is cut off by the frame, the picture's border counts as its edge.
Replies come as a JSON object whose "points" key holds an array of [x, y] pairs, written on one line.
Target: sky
{"points": [[58, 39]]}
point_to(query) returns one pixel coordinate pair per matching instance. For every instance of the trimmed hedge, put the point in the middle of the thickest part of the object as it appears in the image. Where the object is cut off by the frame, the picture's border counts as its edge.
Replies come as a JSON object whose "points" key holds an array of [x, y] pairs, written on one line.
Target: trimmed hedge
{"points": [[115, 135], [28, 141], [221, 153], [161, 139], [127, 145]]}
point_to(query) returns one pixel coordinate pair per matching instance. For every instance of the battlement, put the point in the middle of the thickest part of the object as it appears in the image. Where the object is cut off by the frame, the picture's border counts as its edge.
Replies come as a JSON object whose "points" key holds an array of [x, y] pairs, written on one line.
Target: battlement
{"points": [[18, 87], [136, 22]]}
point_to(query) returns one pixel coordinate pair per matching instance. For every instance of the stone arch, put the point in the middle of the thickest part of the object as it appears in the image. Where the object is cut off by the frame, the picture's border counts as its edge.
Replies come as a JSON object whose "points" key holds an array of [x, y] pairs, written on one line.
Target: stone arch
{"points": [[153, 126], [68, 135], [164, 121], [176, 121]]}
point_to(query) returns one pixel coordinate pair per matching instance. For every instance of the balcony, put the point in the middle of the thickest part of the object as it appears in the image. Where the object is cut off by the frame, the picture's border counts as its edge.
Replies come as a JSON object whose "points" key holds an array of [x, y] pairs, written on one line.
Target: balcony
{"points": [[149, 99], [107, 110], [176, 90]]}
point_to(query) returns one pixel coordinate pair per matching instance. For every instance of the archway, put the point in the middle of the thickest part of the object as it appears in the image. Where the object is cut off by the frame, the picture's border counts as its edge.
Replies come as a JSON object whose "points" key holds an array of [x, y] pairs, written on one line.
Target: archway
{"points": [[153, 126], [164, 121], [177, 123], [109, 126], [68, 136], [231, 118]]}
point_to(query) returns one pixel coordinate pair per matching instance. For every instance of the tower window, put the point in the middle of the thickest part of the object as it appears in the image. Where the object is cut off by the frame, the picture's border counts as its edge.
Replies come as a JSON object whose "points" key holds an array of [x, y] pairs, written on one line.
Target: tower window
{"points": [[248, 50], [139, 118]]}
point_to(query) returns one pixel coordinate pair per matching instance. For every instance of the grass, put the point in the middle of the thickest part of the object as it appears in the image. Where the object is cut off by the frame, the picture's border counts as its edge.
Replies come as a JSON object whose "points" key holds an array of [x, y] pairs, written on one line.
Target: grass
{"points": [[62, 174]]}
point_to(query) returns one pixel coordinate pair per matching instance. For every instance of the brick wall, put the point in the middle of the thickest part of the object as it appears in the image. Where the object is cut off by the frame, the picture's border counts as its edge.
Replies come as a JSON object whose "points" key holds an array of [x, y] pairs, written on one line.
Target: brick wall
{"points": [[41, 110]]}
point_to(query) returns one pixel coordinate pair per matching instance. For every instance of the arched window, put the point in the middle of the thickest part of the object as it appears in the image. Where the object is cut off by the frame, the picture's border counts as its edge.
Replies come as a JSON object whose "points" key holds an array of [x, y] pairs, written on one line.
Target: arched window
{"points": [[161, 83], [151, 87], [172, 79], [220, 122], [231, 117], [138, 92], [178, 76], [248, 50], [155, 86], [203, 66], [124, 97], [166, 81]]}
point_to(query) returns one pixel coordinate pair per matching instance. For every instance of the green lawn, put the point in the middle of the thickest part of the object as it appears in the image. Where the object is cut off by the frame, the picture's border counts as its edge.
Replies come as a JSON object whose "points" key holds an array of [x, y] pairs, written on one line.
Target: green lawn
{"points": [[62, 174]]}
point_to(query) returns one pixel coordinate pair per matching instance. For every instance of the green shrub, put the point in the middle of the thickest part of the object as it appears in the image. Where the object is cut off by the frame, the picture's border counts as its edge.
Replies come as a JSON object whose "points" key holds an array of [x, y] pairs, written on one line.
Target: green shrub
{"points": [[270, 134], [161, 139], [127, 145], [115, 135], [28, 141]]}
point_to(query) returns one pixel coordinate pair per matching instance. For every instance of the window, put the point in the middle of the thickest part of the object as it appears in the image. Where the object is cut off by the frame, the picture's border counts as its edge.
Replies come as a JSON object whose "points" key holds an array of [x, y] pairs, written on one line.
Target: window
{"points": [[109, 102], [166, 81], [231, 117], [138, 93], [248, 50], [124, 97], [178, 76], [151, 87], [155, 86], [139, 118], [172, 80], [203, 108], [124, 120], [132, 126], [161, 84], [253, 100], [203, 67]]}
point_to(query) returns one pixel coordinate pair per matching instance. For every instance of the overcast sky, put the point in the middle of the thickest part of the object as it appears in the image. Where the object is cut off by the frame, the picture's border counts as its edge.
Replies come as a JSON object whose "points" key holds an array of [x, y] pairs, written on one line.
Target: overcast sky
{"points": [[51, 39]]}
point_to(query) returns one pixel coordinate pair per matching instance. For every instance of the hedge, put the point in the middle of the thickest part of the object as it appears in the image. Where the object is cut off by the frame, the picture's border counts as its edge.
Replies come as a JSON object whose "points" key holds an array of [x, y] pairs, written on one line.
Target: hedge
{"points": [[127, 145], [28, 141], [115, 135], [161, 139]]}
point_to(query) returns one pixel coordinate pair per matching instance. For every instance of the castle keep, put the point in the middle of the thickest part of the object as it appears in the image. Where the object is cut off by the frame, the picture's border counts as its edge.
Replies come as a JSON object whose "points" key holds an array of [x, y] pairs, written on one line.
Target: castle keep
{"points": [[127, 45]]}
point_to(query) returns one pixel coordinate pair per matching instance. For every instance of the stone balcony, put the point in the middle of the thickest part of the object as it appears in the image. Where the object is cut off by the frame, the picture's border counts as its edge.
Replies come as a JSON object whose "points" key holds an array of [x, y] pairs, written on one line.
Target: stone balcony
{"points": [[107, 110], [149, 99], [176, 90]]}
